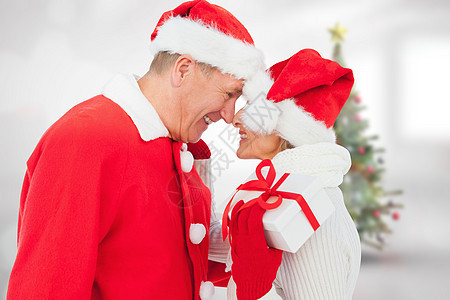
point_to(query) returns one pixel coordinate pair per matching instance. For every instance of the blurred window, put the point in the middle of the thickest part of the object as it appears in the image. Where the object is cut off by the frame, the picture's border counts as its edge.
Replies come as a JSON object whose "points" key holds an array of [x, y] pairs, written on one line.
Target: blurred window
{"points": [[424, 91]]}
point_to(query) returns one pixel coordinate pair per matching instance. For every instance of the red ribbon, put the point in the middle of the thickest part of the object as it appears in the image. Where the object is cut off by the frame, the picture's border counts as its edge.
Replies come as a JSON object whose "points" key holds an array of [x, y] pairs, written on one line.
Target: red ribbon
{"points": [[265, 185]]}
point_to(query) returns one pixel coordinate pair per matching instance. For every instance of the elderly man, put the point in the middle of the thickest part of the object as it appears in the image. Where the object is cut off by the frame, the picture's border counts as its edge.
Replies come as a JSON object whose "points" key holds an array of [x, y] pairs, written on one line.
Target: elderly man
{"points": [[111, 206]]}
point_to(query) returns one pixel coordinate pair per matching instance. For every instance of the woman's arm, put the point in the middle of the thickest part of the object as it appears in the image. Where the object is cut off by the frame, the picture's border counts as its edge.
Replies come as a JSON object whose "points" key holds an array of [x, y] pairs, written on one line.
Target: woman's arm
{"points": [[321, 268]]}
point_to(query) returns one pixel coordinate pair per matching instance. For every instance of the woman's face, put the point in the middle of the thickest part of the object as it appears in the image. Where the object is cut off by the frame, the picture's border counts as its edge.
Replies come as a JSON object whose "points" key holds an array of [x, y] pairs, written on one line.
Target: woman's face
{"points": [[254, 145]]}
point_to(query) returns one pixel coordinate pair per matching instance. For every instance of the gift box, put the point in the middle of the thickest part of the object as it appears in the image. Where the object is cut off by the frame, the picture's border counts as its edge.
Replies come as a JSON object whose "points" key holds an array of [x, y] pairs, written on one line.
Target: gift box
{"points": [[296, 205]]}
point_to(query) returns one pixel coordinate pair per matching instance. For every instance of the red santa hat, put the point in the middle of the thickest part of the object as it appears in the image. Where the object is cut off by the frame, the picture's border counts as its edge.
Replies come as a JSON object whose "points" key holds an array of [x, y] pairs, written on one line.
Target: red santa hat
{"points": [[304, 100], [212, 35]]}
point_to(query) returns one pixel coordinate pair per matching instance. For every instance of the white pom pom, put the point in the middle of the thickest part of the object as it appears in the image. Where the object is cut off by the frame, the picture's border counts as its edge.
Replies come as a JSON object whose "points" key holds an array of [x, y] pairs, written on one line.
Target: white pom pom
{"points": [[197, 232], [206, 290], [184, 147], [187, 161]]}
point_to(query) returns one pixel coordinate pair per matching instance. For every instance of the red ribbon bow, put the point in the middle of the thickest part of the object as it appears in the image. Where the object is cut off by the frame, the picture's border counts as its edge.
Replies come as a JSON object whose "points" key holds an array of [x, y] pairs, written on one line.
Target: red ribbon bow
{"points": [[265, 185]]}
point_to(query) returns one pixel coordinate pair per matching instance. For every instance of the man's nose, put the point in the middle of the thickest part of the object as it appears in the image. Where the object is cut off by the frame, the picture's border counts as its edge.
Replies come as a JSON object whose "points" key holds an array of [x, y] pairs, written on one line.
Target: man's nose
{"points": [[227, 113]]}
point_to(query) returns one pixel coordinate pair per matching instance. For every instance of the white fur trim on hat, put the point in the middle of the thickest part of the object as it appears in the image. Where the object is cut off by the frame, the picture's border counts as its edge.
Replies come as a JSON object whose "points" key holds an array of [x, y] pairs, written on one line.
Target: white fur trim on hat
{"points": [[300, 127], [211, 46], [286, 118], [257, 86], [261, 115], [208, 45]]}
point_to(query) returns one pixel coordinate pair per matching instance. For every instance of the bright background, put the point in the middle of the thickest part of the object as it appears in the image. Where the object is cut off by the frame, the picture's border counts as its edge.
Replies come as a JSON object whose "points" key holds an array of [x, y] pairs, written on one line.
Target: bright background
{"points": [[56, 53]]}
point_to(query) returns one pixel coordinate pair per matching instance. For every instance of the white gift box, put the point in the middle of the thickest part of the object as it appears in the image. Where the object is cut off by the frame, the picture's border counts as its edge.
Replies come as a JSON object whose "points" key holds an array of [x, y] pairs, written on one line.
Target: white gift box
{"points": [[287, 227]]}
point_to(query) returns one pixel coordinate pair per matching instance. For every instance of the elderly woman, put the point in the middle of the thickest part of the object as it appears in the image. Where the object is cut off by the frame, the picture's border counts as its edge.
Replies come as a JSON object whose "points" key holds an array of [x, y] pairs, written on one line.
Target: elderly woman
{"points": [[293, 128]]}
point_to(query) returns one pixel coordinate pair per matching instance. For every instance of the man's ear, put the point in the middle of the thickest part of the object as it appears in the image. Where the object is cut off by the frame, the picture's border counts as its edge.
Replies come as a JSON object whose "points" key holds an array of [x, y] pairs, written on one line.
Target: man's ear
{"points": [[182, 68]]}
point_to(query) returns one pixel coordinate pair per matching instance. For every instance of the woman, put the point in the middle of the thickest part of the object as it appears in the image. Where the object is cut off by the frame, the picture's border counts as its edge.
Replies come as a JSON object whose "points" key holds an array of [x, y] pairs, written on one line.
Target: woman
{"points": [[308, 93]]}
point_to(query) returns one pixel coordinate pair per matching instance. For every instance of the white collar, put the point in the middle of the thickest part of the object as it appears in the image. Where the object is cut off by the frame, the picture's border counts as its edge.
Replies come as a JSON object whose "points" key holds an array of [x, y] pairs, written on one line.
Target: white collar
{"points": [[124, 91]]}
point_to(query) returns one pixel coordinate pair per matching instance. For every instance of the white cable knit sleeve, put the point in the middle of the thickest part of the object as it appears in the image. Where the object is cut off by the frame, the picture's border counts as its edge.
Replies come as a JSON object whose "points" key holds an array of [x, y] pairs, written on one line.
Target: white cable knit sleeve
{"points": [[327, 265], [218, 249]]}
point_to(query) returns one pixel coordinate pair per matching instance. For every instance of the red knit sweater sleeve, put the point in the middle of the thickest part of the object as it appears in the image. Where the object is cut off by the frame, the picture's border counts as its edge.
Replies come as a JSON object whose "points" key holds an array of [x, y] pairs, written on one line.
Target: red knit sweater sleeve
{"points": [[68, 201]]}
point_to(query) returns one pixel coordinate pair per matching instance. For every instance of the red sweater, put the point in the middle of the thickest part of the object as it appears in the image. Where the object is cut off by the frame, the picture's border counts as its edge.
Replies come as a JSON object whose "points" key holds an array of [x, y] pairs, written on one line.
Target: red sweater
{"points": [[106, 215]]}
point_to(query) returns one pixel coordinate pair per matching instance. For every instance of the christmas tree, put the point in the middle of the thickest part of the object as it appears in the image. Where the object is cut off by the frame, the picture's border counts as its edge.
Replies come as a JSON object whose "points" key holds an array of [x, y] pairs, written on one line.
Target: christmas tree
{"points": [[368, 203]]}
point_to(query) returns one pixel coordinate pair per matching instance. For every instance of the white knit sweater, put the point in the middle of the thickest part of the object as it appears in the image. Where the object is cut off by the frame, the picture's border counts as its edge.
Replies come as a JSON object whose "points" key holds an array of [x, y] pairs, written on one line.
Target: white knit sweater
{"points": [[327, 265]]}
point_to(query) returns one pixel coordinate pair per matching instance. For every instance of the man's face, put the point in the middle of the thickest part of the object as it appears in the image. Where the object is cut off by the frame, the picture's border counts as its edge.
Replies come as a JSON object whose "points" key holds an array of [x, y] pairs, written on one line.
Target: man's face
{"points": [[207, 99]]}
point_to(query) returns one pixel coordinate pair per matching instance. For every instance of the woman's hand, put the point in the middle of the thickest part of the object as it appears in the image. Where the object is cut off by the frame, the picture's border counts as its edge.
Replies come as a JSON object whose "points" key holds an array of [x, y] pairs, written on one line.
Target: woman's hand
{"points": [[255, 265]]}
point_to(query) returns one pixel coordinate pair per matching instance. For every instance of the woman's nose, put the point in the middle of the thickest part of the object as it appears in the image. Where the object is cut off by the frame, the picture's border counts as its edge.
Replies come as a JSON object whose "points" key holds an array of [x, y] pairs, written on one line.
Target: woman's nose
{"points": [[237, 118]]}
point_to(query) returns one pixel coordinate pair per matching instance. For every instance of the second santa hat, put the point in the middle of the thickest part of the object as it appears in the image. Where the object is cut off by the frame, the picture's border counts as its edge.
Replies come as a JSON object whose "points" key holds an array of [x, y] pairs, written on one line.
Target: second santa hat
{"points": [[302, 104], [212, 35]]}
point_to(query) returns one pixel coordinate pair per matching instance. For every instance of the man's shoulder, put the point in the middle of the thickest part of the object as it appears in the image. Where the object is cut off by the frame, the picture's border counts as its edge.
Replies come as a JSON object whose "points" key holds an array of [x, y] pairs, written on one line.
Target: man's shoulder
{"points": [[98, 122], [98, 110], [98, 116], [98, 126]]}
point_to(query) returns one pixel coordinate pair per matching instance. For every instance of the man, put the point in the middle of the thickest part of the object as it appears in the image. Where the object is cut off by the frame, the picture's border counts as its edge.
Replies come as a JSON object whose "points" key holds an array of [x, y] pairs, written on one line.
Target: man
{"points": [[111, 206]]}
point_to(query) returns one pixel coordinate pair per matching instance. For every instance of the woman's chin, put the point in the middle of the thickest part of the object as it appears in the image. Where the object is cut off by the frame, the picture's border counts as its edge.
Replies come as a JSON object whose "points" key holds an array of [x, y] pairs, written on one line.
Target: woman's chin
{"points": [[239, 156], [244, 153], [239, 153]]}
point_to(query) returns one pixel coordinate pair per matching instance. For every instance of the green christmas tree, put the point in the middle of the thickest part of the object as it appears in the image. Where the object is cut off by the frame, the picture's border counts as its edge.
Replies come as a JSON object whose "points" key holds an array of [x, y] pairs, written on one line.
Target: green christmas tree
{"points": [[368, 203]]}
